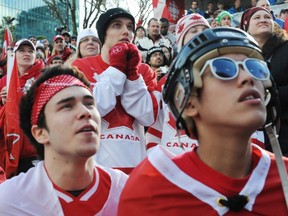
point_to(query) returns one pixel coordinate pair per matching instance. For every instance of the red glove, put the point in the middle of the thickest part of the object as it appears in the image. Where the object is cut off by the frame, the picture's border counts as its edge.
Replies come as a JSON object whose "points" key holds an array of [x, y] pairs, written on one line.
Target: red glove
{"points": [[134, 60], [118, 56]]}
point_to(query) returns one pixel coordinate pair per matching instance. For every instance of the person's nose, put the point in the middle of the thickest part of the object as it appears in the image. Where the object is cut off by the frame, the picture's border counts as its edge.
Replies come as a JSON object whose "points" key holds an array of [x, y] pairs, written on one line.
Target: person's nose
{"points": [[244, 77], [84, 112]]}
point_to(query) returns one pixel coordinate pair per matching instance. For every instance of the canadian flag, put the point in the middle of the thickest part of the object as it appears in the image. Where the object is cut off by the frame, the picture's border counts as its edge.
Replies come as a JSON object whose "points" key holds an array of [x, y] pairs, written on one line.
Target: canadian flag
{"points": [[8, 39], [170, 9], [11, 137]]}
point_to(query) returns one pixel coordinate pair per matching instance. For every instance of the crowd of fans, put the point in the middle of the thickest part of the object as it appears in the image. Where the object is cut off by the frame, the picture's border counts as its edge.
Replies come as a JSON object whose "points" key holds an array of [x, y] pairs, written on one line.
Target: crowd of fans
{"points": [[127, 72]]}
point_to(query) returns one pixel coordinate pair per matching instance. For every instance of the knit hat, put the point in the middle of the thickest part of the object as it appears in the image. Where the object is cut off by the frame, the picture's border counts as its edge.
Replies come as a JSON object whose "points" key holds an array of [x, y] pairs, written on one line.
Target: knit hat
{"points": [[85, 33], [185, 23], [23, 42], [222, 15], [246, 16], [106, 18]]}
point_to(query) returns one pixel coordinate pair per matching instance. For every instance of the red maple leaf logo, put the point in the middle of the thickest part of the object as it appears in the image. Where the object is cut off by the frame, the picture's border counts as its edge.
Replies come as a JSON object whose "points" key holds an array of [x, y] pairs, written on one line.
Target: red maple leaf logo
{"points": [[196, 17], [119, 117], [180, 28]]}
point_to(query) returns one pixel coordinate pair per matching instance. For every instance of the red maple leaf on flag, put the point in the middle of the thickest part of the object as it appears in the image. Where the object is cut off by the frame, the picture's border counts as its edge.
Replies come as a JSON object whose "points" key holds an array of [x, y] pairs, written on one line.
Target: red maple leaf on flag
{"points": [[172, 10]]}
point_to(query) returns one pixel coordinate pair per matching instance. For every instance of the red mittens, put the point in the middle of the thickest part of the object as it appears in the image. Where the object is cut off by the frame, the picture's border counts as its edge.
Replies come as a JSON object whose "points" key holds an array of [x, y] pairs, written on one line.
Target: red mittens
{"points": [[126, 57], [118, 56], [134, 60]]}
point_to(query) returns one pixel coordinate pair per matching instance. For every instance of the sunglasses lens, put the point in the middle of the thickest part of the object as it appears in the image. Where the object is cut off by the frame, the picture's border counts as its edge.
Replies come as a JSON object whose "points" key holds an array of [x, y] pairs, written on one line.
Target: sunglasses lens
{"points": [[257, 69], [224, 68]]}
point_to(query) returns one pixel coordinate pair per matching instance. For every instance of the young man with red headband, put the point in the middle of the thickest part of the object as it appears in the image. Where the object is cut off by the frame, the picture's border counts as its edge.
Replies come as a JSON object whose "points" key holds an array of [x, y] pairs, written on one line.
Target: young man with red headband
{"points": [[59, 116], [121, 87]]}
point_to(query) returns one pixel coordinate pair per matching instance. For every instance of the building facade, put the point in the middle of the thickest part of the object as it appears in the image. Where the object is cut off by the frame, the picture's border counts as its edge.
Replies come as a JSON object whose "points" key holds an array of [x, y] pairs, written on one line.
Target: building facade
{"points": [[33, 17]]}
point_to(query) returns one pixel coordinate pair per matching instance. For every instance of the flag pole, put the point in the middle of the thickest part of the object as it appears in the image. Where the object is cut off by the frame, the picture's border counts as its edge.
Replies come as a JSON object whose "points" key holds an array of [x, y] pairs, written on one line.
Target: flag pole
{"points": [[10, 63]]}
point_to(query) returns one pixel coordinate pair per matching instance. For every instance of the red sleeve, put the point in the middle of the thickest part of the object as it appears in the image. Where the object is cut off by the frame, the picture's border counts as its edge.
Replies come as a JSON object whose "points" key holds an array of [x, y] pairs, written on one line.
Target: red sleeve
{"points": [[286, 24], [2, 175], [86, 67], [149, 76]]}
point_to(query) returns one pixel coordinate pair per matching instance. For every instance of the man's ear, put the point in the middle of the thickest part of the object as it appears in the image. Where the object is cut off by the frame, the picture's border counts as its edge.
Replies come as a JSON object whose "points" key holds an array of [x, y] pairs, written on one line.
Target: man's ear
{"points": [[40, 134], [191, 109]]}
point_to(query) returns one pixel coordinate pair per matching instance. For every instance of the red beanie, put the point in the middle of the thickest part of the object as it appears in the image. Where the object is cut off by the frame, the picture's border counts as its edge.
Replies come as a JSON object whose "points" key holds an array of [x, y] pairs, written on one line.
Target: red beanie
{"points": [[246, 16]]}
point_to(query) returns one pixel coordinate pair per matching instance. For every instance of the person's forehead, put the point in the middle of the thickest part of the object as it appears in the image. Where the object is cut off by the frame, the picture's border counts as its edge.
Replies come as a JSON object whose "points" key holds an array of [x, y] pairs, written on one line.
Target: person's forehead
{"points": [[192, 28], [88, 37], [260, 12], [25, 46], [121, 20], [59, 40], [154, 22], [163, 24], [156, 53], [260, 2], [226, 17]]}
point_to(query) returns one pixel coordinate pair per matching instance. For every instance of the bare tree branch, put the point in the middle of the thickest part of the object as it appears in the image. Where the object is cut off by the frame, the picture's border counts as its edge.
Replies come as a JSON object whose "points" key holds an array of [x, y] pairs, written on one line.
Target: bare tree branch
{"points": [[93, 9], [52, 5]]}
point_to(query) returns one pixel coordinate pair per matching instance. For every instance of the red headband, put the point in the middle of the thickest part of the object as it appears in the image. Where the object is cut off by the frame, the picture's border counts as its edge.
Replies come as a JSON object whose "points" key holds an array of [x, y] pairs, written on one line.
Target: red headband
{"points": [[48, 89]]}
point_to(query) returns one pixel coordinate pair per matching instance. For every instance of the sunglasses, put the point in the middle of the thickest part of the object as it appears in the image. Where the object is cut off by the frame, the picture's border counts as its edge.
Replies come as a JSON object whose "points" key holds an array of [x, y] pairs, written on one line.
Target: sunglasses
{"points": [[225, 68]]}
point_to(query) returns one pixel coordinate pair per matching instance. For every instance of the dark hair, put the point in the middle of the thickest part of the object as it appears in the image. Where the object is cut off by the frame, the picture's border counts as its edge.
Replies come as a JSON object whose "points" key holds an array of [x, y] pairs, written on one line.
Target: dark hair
{"points": [[163, 19], [169, 61], [140, 27], [57, 57], [27, 102]]}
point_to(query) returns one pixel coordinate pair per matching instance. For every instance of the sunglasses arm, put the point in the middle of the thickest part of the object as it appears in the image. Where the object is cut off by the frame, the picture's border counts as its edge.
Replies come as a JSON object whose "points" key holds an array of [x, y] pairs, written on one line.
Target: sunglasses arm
{"points": [[279, 161]]}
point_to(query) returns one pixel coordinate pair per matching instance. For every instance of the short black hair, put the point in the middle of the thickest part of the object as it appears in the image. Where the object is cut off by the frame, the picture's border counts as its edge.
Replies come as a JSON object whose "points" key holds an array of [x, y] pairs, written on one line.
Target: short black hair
{"points": [[57, 57], [163, 19], [27, 102]]}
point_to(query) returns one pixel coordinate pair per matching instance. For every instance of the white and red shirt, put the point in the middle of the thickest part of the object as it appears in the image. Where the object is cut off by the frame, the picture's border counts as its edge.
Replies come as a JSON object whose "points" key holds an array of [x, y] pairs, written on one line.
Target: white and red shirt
{"points": [[185, 185], [33, 193]]}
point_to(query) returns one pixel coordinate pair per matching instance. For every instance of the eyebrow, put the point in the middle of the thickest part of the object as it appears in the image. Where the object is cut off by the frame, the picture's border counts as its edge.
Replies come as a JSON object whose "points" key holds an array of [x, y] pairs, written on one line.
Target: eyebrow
{"points": [[65, 100], [120, 21]]}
